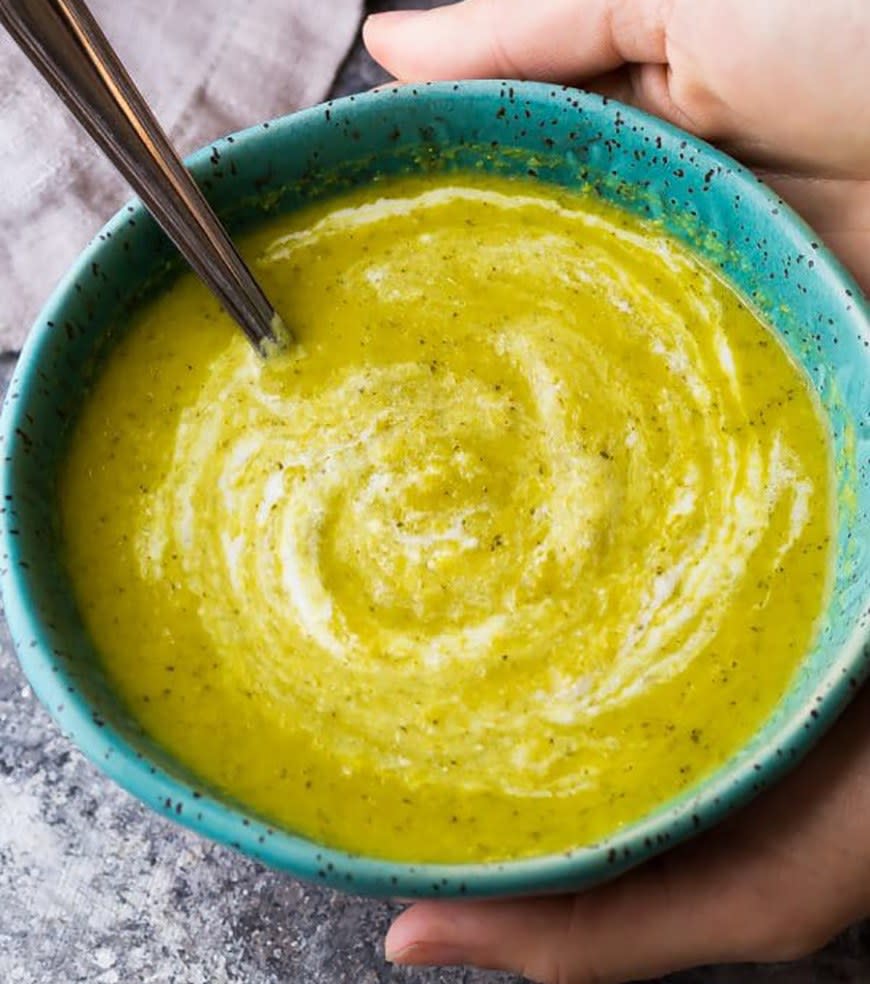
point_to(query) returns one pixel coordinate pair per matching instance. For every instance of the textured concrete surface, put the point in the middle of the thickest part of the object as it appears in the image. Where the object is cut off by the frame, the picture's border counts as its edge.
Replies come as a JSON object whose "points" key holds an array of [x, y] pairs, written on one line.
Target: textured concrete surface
{"points": [[95, 888]]}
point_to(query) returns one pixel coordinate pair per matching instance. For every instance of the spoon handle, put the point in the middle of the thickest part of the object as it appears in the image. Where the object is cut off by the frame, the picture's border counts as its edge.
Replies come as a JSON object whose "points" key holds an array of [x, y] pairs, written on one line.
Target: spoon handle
{"points": [[64, 41]]}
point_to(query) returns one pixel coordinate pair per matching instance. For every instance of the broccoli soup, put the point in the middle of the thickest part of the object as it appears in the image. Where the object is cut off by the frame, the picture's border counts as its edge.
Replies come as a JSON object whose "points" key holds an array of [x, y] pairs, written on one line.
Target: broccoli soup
{"points": [[526, 534]]}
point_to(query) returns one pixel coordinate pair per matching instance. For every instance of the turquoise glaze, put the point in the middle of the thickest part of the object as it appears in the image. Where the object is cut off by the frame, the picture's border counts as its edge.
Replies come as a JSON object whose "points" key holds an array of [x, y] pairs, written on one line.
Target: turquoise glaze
{"points": [[559, 136]]}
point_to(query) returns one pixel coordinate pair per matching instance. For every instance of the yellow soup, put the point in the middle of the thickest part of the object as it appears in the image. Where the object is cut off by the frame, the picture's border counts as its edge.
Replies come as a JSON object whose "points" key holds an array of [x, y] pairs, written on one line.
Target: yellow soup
{"points": [[526, 535]]}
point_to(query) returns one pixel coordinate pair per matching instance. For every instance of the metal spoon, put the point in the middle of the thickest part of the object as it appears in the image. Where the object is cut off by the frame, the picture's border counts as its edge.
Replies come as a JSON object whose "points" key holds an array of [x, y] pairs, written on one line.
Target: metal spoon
{"points": [[64, 41]]}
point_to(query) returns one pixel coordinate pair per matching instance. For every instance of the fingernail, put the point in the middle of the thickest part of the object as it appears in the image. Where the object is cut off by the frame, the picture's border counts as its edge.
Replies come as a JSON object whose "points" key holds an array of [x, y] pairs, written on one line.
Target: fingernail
{"points": [[427, 955]]}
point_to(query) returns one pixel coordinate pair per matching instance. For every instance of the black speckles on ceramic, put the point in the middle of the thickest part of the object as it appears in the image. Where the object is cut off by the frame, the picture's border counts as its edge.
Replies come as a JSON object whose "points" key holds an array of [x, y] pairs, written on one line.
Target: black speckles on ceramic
{"points": [[559, 136]]}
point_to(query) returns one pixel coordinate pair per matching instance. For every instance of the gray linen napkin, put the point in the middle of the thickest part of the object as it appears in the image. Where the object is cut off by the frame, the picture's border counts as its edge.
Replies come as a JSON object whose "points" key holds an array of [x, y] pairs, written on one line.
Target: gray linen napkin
{"points": [[206, 66]]}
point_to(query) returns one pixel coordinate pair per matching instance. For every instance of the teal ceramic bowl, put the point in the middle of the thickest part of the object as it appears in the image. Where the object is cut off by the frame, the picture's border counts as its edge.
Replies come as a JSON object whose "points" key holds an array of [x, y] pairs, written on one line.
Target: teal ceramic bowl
{"points": [[559, 136]]}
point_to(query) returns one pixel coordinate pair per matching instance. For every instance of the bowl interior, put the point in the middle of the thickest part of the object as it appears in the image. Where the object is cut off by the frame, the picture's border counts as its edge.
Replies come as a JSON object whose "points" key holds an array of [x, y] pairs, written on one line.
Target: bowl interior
{"points": [[558, 136]]}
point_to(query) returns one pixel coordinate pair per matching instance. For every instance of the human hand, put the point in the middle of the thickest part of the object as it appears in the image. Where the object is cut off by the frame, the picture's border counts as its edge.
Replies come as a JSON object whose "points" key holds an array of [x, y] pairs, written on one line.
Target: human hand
{"points": [[783, 86], [780, 84]]}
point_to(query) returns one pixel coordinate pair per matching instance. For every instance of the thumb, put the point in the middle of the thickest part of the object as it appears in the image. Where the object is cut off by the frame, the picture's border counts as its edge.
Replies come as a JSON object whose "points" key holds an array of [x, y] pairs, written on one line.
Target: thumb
{"points": [[669, 915], [552, 40]]}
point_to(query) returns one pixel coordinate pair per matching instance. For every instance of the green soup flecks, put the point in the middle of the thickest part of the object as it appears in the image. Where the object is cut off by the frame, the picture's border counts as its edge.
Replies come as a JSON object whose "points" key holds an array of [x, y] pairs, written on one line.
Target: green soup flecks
{"points": [[527, 534]]}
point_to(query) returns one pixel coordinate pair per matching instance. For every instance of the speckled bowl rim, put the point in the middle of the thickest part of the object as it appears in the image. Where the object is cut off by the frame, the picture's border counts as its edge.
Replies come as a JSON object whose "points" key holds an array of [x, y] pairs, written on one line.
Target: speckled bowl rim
{"points": [[198, 810]]}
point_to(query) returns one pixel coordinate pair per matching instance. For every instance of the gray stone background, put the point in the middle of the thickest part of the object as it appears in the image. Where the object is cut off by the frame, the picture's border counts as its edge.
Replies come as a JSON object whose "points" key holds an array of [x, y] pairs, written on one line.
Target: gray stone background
{"points": [[95, 888]]}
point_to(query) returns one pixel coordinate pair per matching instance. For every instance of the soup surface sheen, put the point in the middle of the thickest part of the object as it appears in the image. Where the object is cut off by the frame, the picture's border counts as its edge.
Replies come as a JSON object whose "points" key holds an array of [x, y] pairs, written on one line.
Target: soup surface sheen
{"points": [[526, 536]]}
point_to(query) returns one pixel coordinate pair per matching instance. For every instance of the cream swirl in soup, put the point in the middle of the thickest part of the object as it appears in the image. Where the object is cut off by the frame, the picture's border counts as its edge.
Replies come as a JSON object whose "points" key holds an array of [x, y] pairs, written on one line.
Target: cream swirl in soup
{"points": [[527, 534]]}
